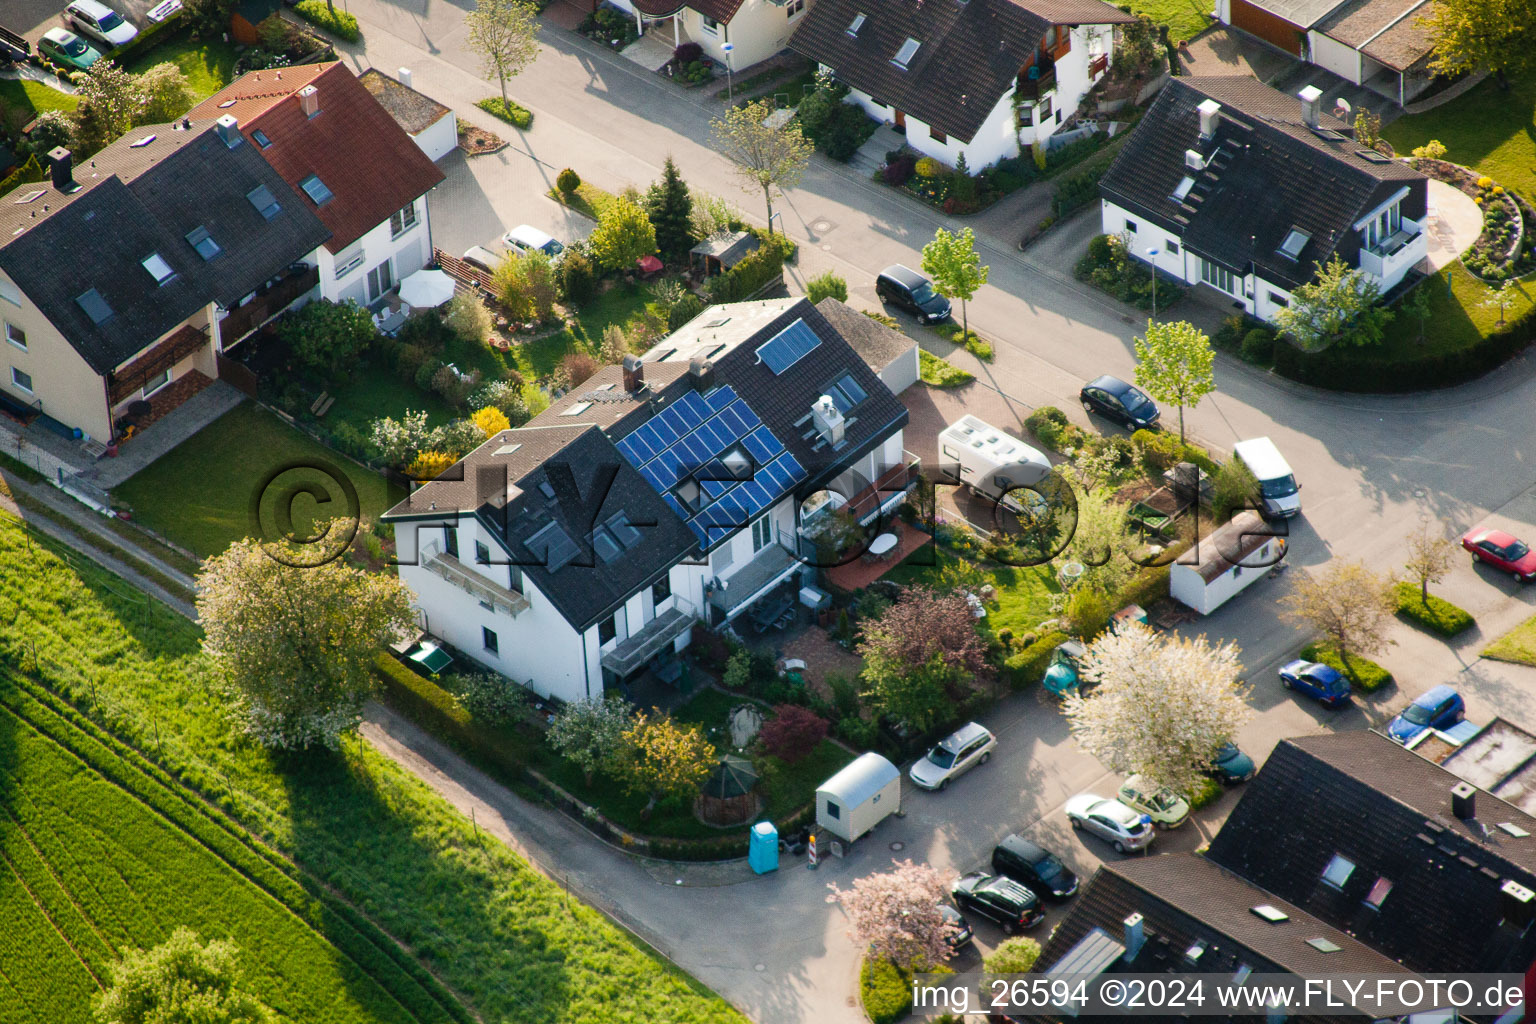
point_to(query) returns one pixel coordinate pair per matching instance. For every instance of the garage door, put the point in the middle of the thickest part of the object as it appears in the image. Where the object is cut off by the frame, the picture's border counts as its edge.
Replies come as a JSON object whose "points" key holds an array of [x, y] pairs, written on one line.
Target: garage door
{"points": [[1273, 30]]}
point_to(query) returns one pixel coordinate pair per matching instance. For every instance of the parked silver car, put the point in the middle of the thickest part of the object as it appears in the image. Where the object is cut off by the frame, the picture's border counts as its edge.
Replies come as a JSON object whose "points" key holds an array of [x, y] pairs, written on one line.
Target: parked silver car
{"points": [[953, 756], [1111, 821]]}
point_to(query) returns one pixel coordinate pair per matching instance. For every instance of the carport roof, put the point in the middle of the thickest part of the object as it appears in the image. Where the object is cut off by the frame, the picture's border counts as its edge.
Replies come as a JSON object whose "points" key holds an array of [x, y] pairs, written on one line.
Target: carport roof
{"points": [[1303, 14], [1387, 31]]}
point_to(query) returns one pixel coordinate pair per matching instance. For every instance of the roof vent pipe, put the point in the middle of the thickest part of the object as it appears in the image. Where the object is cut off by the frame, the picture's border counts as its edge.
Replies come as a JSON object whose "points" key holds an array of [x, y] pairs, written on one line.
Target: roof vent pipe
{"points": [[1309, 104]]}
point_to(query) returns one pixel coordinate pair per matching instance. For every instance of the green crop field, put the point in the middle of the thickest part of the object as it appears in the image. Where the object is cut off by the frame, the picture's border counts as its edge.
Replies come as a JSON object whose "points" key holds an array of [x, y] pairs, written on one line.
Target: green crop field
{"points": [[497, 934]]}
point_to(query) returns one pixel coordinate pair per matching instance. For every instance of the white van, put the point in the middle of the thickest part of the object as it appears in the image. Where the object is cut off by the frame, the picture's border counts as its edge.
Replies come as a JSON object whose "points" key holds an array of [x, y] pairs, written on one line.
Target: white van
{"points": [[1277, 484]]}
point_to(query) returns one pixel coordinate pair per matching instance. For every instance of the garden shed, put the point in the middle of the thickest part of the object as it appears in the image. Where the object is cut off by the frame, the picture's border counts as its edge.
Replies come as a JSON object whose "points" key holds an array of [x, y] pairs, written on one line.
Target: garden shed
{"points": [[859, 797], [1218, 567], [721, 252]]}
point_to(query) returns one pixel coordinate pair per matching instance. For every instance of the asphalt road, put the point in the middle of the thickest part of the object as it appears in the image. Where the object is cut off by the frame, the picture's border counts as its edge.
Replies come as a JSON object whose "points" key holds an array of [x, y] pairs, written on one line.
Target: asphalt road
{"points": [[1372, 468]]}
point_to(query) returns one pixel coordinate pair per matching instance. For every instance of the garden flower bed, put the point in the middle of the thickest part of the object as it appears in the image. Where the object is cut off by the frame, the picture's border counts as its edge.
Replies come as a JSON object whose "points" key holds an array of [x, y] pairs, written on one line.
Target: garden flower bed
{"points": [[1499, 251]]}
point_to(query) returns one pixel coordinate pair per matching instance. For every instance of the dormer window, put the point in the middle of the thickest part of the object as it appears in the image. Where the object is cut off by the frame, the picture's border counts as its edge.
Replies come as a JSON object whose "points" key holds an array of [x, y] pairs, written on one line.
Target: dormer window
{"points": [[856, 24], [906, 53], [1294, 242]]}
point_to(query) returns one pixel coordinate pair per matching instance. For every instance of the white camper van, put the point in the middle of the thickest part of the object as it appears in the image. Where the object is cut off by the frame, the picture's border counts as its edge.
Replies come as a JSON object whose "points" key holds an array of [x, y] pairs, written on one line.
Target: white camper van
{"points": [[859, 797], [1277, 484], [989, 461]]}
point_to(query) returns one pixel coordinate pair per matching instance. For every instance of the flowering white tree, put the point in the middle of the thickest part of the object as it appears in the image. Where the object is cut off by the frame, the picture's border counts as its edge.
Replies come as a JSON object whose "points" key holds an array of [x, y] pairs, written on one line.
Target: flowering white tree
{"points": [[590, 732], [1162, 706], [896, 914]]}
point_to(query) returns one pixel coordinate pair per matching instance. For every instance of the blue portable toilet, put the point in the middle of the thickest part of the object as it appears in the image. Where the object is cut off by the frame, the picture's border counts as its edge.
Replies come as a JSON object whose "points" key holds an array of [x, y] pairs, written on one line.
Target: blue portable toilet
{"points": [[763, 848]]}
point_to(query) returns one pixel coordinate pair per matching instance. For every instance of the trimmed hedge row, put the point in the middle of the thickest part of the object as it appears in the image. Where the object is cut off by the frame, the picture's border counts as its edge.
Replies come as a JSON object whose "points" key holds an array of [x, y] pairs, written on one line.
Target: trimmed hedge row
{"points": [[1434, 613], [1360, 370], [512, 112], [340, 24], [1027, 667], [339, 922], [1367, 676], [756, 272]]}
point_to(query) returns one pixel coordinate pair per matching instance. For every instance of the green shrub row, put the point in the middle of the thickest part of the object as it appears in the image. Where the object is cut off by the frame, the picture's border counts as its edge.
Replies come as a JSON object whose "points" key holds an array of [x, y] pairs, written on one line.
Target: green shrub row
{"points": [[756, 272], [1367, 676], [940, 373], [349, 931], [511, 112], [340, 24], [1027, 667], [1370, 370], [1435, 613]]}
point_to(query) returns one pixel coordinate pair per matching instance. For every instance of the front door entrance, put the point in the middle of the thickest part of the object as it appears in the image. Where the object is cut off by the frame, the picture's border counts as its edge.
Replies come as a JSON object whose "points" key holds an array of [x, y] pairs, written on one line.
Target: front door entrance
{"points": [[901, 121]]}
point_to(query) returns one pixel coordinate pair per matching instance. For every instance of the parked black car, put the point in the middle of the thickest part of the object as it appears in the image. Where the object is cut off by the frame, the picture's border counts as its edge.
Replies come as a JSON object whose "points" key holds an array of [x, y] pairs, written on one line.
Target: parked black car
{"points": [[999, 899], [906, 289], [1124, 403], [1035, 867], [962, 935]]}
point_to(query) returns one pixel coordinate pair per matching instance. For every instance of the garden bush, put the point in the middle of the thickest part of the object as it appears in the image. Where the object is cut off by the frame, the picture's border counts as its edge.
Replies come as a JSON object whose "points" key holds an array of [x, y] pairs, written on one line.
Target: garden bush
{"points": [[792, 732], [928, 167], [511, 112], [567, 181], [755, 272], [1259, 346], [897, 171], [1366, 676], [1207, 791], [1027, 667], [1435, 614], [577, 368], [687, 53], [1013, 956], [1051, 426], [940, 373], [340, 24], [575, 277], [828, 285], [885, 990]]}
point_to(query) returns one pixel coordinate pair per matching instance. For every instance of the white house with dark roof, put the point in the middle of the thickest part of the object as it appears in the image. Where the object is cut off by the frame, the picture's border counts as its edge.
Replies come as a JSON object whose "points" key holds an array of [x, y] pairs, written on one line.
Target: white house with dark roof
{"points": [[1231, 185], [675, 492], [983, 78]]}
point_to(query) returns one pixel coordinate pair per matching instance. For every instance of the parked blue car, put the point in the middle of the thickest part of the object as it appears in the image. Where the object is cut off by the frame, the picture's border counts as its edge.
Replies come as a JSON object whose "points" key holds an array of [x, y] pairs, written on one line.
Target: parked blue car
{"points": [[1323, 684], [1230, 766], [1440, 708]]}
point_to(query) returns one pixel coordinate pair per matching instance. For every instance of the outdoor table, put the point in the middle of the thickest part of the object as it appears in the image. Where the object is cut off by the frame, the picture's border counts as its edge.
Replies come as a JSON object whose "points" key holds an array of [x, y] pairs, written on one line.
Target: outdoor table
{"points": [[883, 545]]}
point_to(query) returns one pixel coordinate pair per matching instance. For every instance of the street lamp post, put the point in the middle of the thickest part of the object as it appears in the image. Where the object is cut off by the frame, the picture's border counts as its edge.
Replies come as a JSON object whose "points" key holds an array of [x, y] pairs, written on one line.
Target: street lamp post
{"points": [[730, 85], [1152, 255]]}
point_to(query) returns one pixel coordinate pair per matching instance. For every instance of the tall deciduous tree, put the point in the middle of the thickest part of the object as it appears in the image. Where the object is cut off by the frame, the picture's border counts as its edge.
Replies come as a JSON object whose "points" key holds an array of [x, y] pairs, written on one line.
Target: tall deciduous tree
{"points": [[110, 100], [895, 914], [1430, 555], [767, 157], [1340, 306], [956, 268], [670, 208], [623, 235], [664, 759], [1349, 604], [504, 34], [296, 641], [1162, 706], [181, 981], [1175, 363], [1482, 35], [328, 337], [590, 732], [166, 94], [920, 654]]}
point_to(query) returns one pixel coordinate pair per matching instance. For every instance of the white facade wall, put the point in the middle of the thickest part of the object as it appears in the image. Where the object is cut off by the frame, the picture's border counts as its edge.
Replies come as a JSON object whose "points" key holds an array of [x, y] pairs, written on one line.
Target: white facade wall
{"points": [[439, 139], [902, 372], [1186, 585], [1342, 60], [406, 253], [759, 30]]}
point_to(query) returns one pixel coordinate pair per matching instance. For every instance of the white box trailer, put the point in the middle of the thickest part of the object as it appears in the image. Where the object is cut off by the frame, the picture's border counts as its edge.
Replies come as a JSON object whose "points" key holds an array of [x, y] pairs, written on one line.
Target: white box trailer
{"points": [[1224, 563], [988, 460], [859, 797]]}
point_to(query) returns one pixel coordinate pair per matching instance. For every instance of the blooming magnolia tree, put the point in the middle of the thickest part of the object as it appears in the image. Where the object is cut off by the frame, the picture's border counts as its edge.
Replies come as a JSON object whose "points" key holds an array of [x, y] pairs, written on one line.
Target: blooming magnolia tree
{"points": [[1162, 706], [896, 914]]}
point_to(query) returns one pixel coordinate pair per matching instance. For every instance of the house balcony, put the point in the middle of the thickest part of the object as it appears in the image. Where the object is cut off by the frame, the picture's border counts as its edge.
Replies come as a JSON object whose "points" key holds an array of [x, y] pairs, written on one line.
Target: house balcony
{"points": [[494, 596], [270, 300], [171, 350], [1388, 260], [1035, 82], [637, 650], [733, 594], [882, 494]]}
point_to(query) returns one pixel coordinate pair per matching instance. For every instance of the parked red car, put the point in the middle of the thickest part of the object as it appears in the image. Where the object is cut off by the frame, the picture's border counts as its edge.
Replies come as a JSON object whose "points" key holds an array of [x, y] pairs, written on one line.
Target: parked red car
{"points": [[1503, 552]]}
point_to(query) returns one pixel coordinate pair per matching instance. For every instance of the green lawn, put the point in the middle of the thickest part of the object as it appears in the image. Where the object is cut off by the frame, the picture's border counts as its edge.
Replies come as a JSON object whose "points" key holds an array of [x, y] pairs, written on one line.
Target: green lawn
{"points": [[1487, 129], [102, 863], [1518, 645], [588, 200], [1185, 18], [1458, 318], [502, 937], [1023, 595], [200, 492], [33, 98], [209, 64]]}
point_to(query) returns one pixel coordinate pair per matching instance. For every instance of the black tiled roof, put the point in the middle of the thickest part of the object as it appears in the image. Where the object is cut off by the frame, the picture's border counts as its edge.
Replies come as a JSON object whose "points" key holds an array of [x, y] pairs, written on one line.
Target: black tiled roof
{"points": [[590, 481], [135, 200], [1186, 899], [1266, 173], [1385, 809], [969, 57]]}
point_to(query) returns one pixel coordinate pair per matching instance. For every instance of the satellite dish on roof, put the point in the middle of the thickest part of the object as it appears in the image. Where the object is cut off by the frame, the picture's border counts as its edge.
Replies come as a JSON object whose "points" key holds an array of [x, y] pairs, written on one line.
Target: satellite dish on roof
{"points": [[1342, 109]]}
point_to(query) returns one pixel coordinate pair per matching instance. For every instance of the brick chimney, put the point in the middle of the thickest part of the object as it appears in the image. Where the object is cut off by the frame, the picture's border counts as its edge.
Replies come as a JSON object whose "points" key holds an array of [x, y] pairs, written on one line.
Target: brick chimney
{"points": [[309, 100], [1309, 105], [61, 163], [634, 373]]}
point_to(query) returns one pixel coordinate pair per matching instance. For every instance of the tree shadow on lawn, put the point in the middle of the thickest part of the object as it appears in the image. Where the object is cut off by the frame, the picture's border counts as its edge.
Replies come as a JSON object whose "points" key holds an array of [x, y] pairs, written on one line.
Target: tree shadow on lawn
{"points": [[465, 907]]}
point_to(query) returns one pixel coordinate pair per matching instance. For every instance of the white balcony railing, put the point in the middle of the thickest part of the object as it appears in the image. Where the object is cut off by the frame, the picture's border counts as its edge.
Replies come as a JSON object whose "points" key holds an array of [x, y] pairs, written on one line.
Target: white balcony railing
{"points": [[1391, 258]]}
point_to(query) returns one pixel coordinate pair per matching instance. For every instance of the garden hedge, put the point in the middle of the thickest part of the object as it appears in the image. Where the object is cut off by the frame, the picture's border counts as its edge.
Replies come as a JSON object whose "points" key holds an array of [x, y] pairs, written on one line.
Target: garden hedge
{"points": [[340, 24], [512, 112], [1363, 370], [1027, 667], [885, 991], [1434, 613], [1367, 676]]}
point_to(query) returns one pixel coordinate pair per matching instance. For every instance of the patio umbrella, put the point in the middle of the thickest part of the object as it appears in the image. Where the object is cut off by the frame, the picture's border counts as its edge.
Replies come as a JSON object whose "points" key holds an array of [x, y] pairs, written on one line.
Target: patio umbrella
{"points": [[426, 289], [732, 777]]}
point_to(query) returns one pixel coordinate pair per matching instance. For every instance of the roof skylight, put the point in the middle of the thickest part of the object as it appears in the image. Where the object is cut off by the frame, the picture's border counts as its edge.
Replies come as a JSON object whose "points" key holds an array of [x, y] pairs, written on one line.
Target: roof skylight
{"points": [[1294, 242], [906, 53], [1187, 183], [316, 190], [94, 306], [199, 239], [158, 269], [856, 24]]}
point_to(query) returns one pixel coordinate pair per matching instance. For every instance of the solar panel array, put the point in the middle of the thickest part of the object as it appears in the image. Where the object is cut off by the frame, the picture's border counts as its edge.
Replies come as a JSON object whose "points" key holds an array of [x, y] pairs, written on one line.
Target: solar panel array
{"points": [[686, 441], [786, 348]]}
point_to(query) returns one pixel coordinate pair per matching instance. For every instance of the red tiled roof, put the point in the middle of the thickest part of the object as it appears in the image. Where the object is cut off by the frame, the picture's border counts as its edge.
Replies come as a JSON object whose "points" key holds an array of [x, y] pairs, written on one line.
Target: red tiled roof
{"points": [[719, 10], [353, 145]]}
